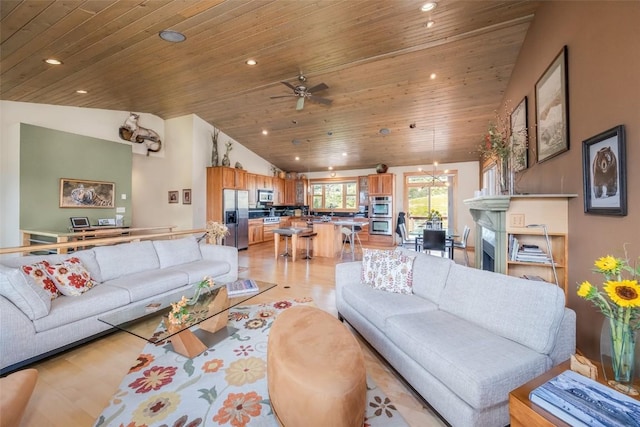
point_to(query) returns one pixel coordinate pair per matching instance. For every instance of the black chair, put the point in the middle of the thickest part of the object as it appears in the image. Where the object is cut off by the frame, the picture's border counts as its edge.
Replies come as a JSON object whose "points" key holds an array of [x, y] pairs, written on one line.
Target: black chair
{"points": [[435, 240]]}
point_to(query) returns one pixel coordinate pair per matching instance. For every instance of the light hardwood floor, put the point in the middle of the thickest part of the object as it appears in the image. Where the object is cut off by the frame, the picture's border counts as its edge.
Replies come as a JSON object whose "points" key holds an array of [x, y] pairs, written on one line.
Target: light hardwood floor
{"points": [[73, 388]]}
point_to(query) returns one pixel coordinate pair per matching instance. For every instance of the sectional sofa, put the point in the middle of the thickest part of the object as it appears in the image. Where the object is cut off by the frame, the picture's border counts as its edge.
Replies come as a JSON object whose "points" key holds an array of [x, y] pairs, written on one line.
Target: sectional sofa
{"points": [[461, 337], [33, 325]]}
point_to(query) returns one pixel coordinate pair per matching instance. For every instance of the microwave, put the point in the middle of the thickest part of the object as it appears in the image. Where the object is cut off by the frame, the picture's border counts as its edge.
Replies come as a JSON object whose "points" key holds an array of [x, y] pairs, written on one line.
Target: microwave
{"points": [[265, 196]]}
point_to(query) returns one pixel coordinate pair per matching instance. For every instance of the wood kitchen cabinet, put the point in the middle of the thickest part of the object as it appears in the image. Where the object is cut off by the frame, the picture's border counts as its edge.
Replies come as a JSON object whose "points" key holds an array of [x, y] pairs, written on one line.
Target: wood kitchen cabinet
{"points": [[295, 192], [256, 229], [232, 178], [278, 191], [381, 184]]}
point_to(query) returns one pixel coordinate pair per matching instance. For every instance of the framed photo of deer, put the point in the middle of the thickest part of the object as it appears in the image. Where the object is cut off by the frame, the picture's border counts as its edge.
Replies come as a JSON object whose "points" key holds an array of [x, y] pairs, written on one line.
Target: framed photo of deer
{"points": [[605, 173], [76, 193]]}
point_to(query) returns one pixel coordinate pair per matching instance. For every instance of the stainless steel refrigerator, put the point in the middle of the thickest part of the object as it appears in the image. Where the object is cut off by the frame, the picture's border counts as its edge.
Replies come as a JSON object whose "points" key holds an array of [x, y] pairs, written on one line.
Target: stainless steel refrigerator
{"points": [[236, 217]]}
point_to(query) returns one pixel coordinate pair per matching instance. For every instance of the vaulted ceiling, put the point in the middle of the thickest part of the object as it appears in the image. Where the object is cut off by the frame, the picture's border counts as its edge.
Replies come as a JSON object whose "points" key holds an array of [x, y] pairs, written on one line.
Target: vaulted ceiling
{"points": [[375, 56]]}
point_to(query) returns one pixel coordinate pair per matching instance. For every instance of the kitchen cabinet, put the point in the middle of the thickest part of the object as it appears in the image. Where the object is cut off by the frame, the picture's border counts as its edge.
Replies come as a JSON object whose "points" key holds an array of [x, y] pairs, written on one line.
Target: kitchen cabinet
{"points": [[363, 190], [381, 184], [256, 228], [235, 179], [295, 192], [278, 191], [252, 188], [267, 233]]}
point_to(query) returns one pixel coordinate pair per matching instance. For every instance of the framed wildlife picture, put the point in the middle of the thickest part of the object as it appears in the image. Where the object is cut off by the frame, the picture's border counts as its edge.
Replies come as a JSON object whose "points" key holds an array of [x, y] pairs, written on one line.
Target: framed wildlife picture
{"points": [[552, 109], [605, 173], [75, 193]]}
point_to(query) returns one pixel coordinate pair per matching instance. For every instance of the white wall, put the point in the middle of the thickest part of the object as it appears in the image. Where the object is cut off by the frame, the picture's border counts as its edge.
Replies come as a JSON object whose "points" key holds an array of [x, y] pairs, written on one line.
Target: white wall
{"points": [[468, 182]]}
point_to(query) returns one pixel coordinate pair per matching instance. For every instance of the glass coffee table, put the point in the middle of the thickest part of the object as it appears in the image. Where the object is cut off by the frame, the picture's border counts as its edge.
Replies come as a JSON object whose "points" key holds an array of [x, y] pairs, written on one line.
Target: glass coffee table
{"points": [[206, 325]]}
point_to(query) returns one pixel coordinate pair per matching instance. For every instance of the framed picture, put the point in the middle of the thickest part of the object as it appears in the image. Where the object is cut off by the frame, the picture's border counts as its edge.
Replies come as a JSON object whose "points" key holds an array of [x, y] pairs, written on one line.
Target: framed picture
{"points": [[80, 222], [519, 137], [75, 193], [552, 109], [605, 173], [173, 196], [186, 196]]}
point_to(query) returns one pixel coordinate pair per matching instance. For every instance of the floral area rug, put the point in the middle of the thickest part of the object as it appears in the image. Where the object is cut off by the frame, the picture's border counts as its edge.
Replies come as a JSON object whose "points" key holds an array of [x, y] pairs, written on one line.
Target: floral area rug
{"points": [[225, 385]]}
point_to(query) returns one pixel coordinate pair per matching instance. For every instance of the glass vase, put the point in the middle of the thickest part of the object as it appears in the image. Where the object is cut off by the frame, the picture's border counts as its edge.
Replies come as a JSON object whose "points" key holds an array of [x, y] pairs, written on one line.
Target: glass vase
{"points": [[618, 352]]}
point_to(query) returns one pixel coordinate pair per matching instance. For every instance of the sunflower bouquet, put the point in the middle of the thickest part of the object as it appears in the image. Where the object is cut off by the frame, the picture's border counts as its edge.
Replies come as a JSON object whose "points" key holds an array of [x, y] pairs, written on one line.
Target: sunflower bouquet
{"points": [[620, 303]]}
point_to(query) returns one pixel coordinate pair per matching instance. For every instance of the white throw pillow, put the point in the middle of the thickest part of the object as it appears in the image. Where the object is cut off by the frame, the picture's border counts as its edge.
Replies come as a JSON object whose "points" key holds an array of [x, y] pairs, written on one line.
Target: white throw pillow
{"points": [[387, 270]]}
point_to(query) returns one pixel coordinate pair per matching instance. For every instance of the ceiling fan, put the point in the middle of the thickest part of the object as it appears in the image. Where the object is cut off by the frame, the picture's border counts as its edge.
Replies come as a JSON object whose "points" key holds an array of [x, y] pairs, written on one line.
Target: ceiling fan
{"points": [[302, 92]]}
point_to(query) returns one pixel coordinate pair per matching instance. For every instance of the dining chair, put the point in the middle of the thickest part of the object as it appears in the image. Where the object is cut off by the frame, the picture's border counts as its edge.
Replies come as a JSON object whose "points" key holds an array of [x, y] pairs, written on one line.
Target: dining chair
{"points": [[435, 240], [462, 244], [408, 242]]}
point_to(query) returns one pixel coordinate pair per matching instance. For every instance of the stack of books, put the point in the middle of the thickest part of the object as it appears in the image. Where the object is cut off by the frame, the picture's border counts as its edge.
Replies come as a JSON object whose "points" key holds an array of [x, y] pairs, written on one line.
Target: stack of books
{"points": [[581, 401], [526, 253], [242, 287]]}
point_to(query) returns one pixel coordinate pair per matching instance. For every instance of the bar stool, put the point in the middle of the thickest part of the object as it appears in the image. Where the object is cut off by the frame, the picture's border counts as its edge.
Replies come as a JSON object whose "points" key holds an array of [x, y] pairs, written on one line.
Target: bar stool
{"points": [[309, 238], [351, 237], [286, 245]]}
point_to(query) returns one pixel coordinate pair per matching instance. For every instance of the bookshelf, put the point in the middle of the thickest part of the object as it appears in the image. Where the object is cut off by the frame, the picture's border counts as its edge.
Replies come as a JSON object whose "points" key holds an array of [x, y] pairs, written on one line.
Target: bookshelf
{"points": [[543, 268]]}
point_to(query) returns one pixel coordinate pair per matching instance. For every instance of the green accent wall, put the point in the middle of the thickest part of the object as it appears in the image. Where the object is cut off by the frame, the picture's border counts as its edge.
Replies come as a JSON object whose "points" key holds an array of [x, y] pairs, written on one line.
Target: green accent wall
{"points": [[46, 155]]}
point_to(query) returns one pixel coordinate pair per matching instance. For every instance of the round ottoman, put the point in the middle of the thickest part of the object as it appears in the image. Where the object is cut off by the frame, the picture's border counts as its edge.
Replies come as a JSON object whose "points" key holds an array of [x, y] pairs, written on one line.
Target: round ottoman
{"points": [[315, 370]]}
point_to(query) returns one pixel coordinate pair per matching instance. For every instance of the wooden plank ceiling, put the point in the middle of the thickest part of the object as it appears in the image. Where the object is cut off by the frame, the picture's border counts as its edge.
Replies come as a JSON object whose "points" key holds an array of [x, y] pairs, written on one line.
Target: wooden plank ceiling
{"points": [[375, 56]]}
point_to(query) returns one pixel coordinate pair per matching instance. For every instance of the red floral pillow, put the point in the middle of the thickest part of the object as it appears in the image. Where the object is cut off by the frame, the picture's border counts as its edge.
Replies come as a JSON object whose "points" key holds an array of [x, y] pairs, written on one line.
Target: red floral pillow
{"points": [[38, 273], [71, 278]]}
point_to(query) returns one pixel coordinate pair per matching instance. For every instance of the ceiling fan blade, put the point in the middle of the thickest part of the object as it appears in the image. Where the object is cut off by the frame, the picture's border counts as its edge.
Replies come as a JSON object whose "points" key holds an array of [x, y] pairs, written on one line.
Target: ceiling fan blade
{"points": [[289, 85], [320, 100], [317, 88], [282, 96], [300, 103]]}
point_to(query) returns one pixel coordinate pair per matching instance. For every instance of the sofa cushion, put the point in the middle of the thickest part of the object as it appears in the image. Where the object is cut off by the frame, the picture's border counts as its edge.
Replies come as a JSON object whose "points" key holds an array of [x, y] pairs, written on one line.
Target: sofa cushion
{"points": [[65, 310], [34, 301], [386, 270], [430, 274], [71, 278], [40, 274], [149, 283], [127, 258], [88, 258], [177, 251], [198, 270], [377, 305], [475, 364], [524, 311]]}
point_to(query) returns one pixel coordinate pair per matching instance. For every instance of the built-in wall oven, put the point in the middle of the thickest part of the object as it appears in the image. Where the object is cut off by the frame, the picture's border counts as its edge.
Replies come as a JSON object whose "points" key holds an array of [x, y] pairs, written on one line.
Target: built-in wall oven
{"points": [[380, 206], [383, 226]]}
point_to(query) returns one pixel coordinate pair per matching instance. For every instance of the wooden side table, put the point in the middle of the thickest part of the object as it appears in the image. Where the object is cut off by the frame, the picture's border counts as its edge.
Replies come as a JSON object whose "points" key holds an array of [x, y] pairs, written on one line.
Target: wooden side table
{"points": [[523, 413]]}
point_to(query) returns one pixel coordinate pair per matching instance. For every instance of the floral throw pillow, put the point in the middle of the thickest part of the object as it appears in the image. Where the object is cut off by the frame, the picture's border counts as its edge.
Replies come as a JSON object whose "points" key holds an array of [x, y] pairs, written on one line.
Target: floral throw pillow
{"points": [[38, 273], [389, 271], [71, 278]]}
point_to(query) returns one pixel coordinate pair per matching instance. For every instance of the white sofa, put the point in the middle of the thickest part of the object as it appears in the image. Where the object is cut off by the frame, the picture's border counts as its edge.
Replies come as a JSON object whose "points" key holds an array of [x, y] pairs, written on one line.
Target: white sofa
{"points": [[32, 326], [464, 338]]}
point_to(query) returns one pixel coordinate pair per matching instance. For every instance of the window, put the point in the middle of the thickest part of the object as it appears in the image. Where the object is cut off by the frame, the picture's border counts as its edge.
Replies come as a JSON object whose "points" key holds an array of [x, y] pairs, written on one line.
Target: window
{"points": [[335, 195], [424, 193]]}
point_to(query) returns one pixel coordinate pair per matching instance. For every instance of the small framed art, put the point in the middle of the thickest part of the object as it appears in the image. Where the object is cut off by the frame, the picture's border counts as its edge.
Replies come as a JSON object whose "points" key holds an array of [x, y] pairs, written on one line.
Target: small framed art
{"points": [[186, 196], [173, 196], [519, 137], [605, 173]]}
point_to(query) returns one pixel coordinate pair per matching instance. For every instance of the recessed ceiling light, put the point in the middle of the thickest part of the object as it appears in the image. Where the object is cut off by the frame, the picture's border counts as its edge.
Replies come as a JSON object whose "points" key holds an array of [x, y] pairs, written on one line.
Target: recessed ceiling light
{"points": [[333, 174], [251, 62], [81, 91], [265, 132], [384, 131], [172, 36], [344, 154], [432, 76], [297, 158], [428, 6], [53, 61], [330, 168], [430, 23]]}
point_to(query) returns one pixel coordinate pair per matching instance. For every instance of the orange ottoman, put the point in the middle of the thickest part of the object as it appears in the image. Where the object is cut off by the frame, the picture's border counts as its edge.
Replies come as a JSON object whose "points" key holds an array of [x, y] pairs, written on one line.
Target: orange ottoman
{"points": [[315, 371]]}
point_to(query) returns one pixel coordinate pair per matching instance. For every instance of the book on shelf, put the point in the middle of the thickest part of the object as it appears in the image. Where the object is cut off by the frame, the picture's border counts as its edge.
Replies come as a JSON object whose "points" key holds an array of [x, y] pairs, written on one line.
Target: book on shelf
{"points": [[581, 401], [242, 287], [533, 277]]}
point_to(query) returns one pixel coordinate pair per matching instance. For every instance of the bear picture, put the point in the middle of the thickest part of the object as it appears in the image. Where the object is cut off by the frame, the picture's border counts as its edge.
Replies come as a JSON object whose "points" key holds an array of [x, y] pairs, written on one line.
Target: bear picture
{"points": [[604, 173]]}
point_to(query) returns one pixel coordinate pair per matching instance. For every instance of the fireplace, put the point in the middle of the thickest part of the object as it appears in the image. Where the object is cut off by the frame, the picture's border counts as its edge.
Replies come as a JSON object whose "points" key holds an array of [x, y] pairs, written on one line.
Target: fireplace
{"points": [[488, 249]]}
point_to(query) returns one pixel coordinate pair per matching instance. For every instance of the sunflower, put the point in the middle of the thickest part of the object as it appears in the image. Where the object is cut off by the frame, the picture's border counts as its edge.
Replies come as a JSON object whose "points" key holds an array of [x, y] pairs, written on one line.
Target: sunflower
{"points": [[625, 293], [608, 265], [586, 289]]}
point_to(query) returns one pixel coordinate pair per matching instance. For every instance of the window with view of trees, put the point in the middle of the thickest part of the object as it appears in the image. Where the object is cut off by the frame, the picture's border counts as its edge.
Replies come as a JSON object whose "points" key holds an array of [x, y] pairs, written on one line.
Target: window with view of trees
{"points": [[334, 195], [425, 193]]}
